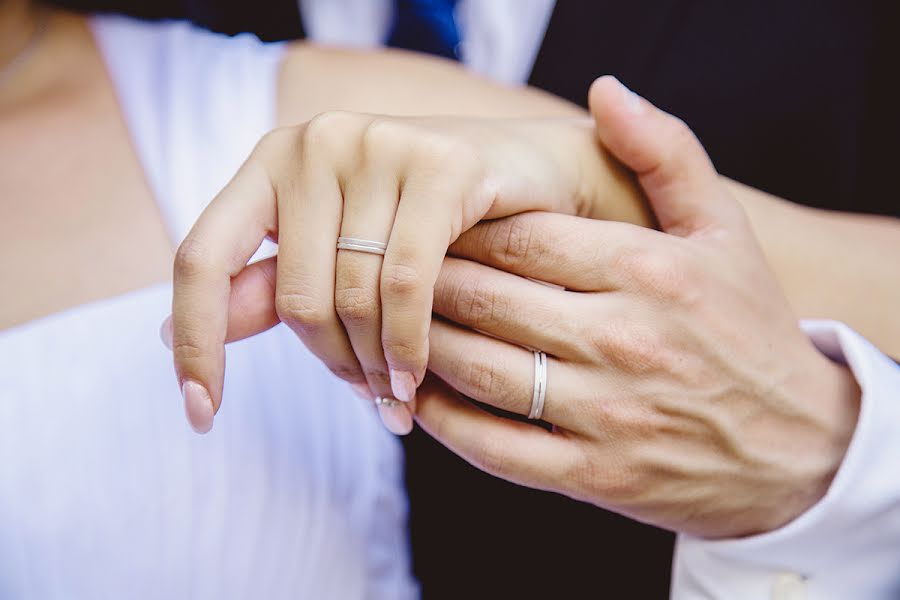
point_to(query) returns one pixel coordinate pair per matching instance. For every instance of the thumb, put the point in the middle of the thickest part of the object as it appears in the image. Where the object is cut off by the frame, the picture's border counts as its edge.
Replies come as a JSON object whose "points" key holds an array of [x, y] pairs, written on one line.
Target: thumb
{"points": [[672, 167]]}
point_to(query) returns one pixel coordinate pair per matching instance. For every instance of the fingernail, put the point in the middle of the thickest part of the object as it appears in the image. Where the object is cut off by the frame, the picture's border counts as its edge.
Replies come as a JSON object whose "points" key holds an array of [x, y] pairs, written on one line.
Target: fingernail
{"points": [[396, 418], [198, 406], [165, 332], [403, 384], [362, 390], [633, 103]]}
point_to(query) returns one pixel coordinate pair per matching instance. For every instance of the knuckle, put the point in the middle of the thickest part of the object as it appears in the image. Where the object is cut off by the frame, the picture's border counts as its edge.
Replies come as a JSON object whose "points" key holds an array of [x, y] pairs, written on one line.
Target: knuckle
{"points": [[662, 274], [515, 243], [356, 304], [484, 377], [381, 135], [301, 312], [349, 372], [328, 131], [378, 378], [275, 141], [400, 280], [187, 351], [328, 123], [630, 348], [191, 258], [403, 351], [479, 304]]}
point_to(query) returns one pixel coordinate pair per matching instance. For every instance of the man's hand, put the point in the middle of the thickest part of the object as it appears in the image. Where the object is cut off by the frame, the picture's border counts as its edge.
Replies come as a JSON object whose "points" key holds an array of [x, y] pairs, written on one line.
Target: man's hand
{"points": [[681, 390]]}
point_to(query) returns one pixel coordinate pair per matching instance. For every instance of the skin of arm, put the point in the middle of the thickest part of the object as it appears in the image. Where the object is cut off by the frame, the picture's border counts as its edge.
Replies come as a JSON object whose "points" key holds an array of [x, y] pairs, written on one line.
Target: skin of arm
{"points": [[833, 265], [830, 264]]}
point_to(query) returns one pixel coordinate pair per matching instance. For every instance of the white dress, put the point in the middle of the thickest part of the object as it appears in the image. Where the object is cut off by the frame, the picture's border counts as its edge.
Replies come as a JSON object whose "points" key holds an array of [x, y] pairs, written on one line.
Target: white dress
{"points": [[105, 492]]}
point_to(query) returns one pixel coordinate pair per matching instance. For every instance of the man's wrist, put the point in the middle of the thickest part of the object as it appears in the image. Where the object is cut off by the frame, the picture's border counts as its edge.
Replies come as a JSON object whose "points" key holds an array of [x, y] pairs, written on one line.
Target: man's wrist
{"points": [[834, 396], [844, 546]]}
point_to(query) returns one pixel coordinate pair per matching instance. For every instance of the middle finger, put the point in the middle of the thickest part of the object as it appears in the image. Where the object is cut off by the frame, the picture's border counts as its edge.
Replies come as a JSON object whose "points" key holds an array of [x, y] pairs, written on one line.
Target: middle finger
{"points": [[510, 307]]}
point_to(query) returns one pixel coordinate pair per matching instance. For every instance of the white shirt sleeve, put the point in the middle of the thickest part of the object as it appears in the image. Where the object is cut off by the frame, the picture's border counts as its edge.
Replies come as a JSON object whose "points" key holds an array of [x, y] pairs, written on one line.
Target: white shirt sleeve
{"points": [[845, 546]]}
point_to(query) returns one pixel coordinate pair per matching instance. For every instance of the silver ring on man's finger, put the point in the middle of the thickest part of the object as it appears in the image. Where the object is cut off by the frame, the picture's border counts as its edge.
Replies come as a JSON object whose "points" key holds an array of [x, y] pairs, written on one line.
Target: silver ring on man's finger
{"points": [[539, 392]]}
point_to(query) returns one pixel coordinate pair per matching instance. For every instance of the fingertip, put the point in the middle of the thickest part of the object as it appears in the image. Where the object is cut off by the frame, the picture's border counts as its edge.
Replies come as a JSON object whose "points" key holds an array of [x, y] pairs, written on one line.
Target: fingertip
{"points": [[198, 406], [608, 97], [395, 416], [599, 89], [403, 385]]}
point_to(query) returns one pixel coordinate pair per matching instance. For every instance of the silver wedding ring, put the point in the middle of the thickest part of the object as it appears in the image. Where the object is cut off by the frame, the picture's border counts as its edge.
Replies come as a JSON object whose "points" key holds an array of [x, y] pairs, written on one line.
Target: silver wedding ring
{"points": [[349, 243], [539, 394], [384, 401]]}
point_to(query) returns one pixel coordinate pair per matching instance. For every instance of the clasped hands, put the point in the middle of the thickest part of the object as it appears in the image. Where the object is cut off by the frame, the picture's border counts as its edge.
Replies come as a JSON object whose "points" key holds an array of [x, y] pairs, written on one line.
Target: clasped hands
{"points": [[681, 390]]}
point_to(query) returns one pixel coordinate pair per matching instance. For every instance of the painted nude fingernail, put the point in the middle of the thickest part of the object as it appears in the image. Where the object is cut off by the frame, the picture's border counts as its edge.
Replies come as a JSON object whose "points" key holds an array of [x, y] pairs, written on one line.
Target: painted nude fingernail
{"points": [[165, 332], [403, 384], [395, 416], [198, 406]]}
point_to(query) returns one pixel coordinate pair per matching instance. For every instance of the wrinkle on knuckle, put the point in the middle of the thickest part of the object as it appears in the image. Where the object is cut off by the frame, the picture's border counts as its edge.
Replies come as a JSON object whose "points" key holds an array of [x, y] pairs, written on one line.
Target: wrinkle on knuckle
{"points": [[403, 351], [515, 242], [400, 280], [483, 376], [349, 372], [303, 313], [187, 350], [380, 377], [479, 304], [192, 257], [356, 304]]}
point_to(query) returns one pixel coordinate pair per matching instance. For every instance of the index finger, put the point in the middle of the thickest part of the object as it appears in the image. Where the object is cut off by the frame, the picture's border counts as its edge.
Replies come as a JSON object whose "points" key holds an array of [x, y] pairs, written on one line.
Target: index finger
{"points": [[580, 254], [217, 248]]}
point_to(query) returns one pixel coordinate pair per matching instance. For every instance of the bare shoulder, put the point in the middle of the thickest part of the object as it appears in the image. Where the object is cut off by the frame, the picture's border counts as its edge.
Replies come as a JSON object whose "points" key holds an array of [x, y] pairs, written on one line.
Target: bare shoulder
{"points": [[316, 79]]}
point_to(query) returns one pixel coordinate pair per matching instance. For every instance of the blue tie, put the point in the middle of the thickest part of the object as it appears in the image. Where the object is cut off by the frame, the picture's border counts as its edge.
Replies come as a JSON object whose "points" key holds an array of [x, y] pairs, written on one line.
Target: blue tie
{"points": [[425, 26]]}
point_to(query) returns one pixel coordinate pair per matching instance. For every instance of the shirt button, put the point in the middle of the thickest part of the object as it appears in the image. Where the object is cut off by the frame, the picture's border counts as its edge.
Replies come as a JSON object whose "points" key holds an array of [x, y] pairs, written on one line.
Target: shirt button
{"points": [[789, 586]]}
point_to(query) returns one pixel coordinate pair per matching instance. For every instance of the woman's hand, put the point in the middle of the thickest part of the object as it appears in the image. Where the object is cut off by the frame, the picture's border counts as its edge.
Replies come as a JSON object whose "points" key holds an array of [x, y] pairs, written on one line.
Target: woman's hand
{"points": [[413, 184], [680, 388]]}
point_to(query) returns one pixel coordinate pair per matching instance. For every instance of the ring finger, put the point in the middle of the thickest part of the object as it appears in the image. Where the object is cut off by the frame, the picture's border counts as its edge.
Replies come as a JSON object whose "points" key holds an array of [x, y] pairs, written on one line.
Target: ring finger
{"points": [[370, 205], [501, 374]]}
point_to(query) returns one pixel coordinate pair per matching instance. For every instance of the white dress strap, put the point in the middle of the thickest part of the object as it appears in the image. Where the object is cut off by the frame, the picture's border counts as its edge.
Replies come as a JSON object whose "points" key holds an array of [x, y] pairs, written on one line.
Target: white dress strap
{"points": [[194, 102]]}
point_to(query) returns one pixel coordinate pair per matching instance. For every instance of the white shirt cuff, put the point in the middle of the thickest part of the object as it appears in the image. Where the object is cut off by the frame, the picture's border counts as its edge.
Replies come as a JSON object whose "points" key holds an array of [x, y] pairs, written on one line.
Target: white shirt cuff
{"points": [[848, 544]]}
